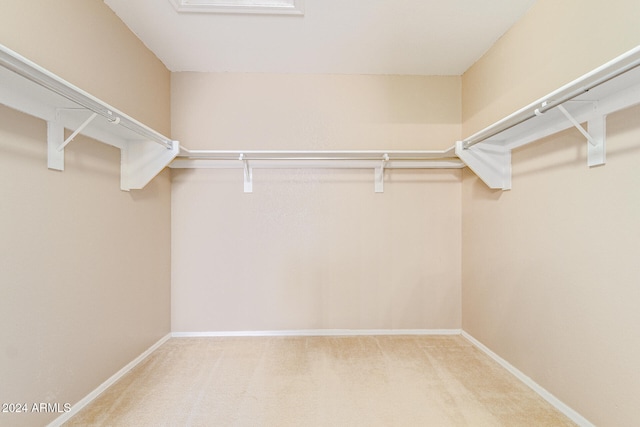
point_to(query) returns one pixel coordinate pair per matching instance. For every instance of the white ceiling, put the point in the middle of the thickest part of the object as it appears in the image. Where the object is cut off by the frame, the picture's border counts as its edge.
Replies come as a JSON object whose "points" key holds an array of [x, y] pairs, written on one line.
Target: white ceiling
{"points": [[424, 37]]}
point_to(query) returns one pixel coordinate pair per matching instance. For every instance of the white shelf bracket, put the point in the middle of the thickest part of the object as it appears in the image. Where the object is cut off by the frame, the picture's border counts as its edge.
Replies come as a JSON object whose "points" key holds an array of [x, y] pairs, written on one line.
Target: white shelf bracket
{"points": [[55, 139], [142, 160], [248, 175], [577, 125], [595, 136], [597, 153], [492, 163], [379, 175], [77, 131], [31, 89], [56, 142]]}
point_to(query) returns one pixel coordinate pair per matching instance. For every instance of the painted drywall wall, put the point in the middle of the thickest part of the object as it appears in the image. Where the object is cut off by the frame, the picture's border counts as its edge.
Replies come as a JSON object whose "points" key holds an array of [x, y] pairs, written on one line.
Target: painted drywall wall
{"points": [[550, 271], [315, 249], [555, 43], [85, 43], [84, 267]]}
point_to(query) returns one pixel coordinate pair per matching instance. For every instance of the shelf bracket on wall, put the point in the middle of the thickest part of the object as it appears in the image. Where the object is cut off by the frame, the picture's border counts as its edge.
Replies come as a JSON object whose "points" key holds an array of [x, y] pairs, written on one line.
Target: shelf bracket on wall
{"points": [[492, 163], [77, 131], [55, 139], [597, 153], [56, 142], [31, 89], [248, 175], [596, 136], [141, 161], [379, 174], [589, 99]]}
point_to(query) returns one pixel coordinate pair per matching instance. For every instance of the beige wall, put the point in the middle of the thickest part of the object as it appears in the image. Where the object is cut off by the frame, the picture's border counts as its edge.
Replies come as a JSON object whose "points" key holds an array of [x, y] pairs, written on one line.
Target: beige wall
{"points": [[84, 267], [85, 43], [314, 112], [550, 268], [555, 43], [315, 249]]}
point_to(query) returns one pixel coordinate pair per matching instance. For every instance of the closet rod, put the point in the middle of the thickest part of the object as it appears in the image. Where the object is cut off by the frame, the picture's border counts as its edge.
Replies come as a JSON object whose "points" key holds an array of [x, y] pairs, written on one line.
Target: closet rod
{"points": [[316, 155], [36, 74], [611, 70]]}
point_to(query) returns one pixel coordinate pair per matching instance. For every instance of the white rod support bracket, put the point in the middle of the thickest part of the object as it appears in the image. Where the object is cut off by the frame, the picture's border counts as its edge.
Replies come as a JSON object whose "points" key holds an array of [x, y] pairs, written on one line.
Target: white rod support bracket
{"points": [[577, 125], [596, 136], [379, 175], [55, 138], [77, 131], [597, 153], [492, 163], [537, 111], [141, 161], [248, 175]]}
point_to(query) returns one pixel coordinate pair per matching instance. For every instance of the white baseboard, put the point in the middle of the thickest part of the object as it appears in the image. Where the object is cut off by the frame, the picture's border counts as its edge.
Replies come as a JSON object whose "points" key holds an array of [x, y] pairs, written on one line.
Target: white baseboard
{"points": [[102, 387], [317, 332], [557, 403]]}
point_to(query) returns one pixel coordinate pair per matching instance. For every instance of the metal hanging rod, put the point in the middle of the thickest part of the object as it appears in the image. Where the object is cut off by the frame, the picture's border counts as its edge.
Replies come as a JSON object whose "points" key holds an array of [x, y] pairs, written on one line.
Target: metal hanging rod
{"points": [[387, 155], [378, 160]]}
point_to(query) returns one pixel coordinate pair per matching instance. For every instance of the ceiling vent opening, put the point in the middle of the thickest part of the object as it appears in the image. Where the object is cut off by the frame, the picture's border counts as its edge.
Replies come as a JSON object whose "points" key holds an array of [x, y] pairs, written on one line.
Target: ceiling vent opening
{"points": [[270, 7]]}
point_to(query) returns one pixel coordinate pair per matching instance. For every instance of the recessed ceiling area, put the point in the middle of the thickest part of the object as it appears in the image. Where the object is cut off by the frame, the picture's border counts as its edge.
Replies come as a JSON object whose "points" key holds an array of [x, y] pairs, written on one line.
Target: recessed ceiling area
{"points": [[414, 37]]}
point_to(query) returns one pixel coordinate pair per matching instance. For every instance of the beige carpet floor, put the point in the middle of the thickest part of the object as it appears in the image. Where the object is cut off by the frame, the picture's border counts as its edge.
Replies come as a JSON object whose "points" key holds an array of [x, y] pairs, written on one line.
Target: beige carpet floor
{"points": [[319, 381]]}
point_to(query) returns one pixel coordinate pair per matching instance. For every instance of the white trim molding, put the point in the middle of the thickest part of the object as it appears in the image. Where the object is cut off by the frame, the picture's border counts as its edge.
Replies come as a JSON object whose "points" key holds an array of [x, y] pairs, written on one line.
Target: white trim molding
{"points": [[108, 383], [557, 403], [317, 333], [269, 7]]}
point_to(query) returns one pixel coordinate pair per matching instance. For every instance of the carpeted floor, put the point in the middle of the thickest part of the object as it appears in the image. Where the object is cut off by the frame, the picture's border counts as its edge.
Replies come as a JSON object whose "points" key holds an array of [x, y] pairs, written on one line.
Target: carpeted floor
{"points": [[319, 381]]}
